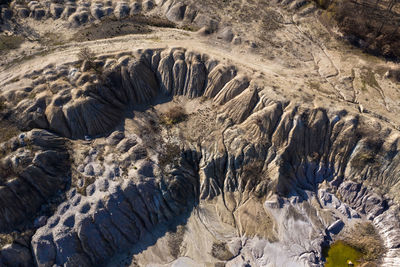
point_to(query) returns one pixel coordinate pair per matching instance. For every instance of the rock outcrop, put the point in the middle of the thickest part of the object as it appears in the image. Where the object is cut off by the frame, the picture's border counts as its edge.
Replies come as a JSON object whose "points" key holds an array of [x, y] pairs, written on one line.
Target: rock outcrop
{"points": [[309, 170], [91, 105], [268, 148], [118, 210], [34, 169], [79, 13]]}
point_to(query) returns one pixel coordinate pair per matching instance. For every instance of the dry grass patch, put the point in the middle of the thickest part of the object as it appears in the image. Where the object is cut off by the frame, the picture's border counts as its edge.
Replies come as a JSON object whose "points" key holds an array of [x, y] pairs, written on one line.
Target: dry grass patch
{"points": [[174, 115], [7, 130], [112, 27], [364, 237], [170, 154], [220, 251], [370, 25], [368, 78], [10, 42], [175, 240]]}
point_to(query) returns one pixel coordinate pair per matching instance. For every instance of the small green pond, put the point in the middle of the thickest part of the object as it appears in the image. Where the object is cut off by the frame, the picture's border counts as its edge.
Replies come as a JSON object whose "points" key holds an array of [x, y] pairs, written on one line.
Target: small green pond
{"points": [[338, 255]]}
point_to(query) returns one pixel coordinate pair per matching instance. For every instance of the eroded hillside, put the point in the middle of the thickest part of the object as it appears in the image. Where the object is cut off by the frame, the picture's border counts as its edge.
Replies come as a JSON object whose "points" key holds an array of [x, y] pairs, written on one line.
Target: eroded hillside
{"points": [[187, 133]]}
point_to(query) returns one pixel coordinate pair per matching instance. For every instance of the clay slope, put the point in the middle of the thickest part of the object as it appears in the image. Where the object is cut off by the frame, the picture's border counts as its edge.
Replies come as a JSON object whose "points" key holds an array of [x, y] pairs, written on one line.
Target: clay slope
{"points": [[260, 148], [90, 104], [34, 168]]}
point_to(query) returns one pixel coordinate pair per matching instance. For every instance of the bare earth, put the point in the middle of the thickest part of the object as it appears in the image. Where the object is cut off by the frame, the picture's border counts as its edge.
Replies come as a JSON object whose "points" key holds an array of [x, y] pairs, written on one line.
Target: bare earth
{"points": [[289, 137]]}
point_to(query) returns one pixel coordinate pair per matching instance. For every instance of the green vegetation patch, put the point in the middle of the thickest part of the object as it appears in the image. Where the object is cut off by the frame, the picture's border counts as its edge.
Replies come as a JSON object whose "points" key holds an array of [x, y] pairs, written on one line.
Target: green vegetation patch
{"points": [[360, 244], [364, 238], [339, 254]]}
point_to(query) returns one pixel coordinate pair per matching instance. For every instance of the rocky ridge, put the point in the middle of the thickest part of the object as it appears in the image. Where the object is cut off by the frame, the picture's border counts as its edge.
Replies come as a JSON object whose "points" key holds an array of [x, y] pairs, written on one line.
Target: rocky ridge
{"points": [[85, 105]]}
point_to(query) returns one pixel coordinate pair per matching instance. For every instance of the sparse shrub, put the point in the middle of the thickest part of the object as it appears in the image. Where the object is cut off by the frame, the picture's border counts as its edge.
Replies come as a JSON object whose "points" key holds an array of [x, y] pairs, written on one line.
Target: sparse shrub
{"points": [[155, 39], [369, 155], [10, 42], [175, 241], [155, 21], [169, 155], [110, 27], [51, 39], [295, 214], [370, 25], [6, 239], [85, 54], [7, 130], [32, 95], [253, 179], [315, 85], [363, 237], [2, 104], [173, 116], [203, 99], [259, 121], [86, 182], [220, 251], [323, 3], [88, 57], [368, 78], [362, 159], [190, 28]]}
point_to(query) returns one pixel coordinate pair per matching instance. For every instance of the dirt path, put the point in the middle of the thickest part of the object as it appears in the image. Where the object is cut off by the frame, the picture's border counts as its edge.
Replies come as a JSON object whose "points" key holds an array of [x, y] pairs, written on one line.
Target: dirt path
{"points": [[158, 39]]}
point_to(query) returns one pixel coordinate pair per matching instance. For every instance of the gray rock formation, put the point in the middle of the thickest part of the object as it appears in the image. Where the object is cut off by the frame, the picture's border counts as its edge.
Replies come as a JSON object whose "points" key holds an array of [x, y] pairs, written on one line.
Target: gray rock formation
{"points": [[388, 226], [16, 255], [79, 13], [34, 170], [304, 170], [115, 213], [88, 106]]}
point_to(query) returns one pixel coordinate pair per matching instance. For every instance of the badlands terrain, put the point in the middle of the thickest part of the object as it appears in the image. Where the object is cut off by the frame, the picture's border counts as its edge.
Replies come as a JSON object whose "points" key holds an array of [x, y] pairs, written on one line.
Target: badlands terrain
{"points": [[199, 133]]}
